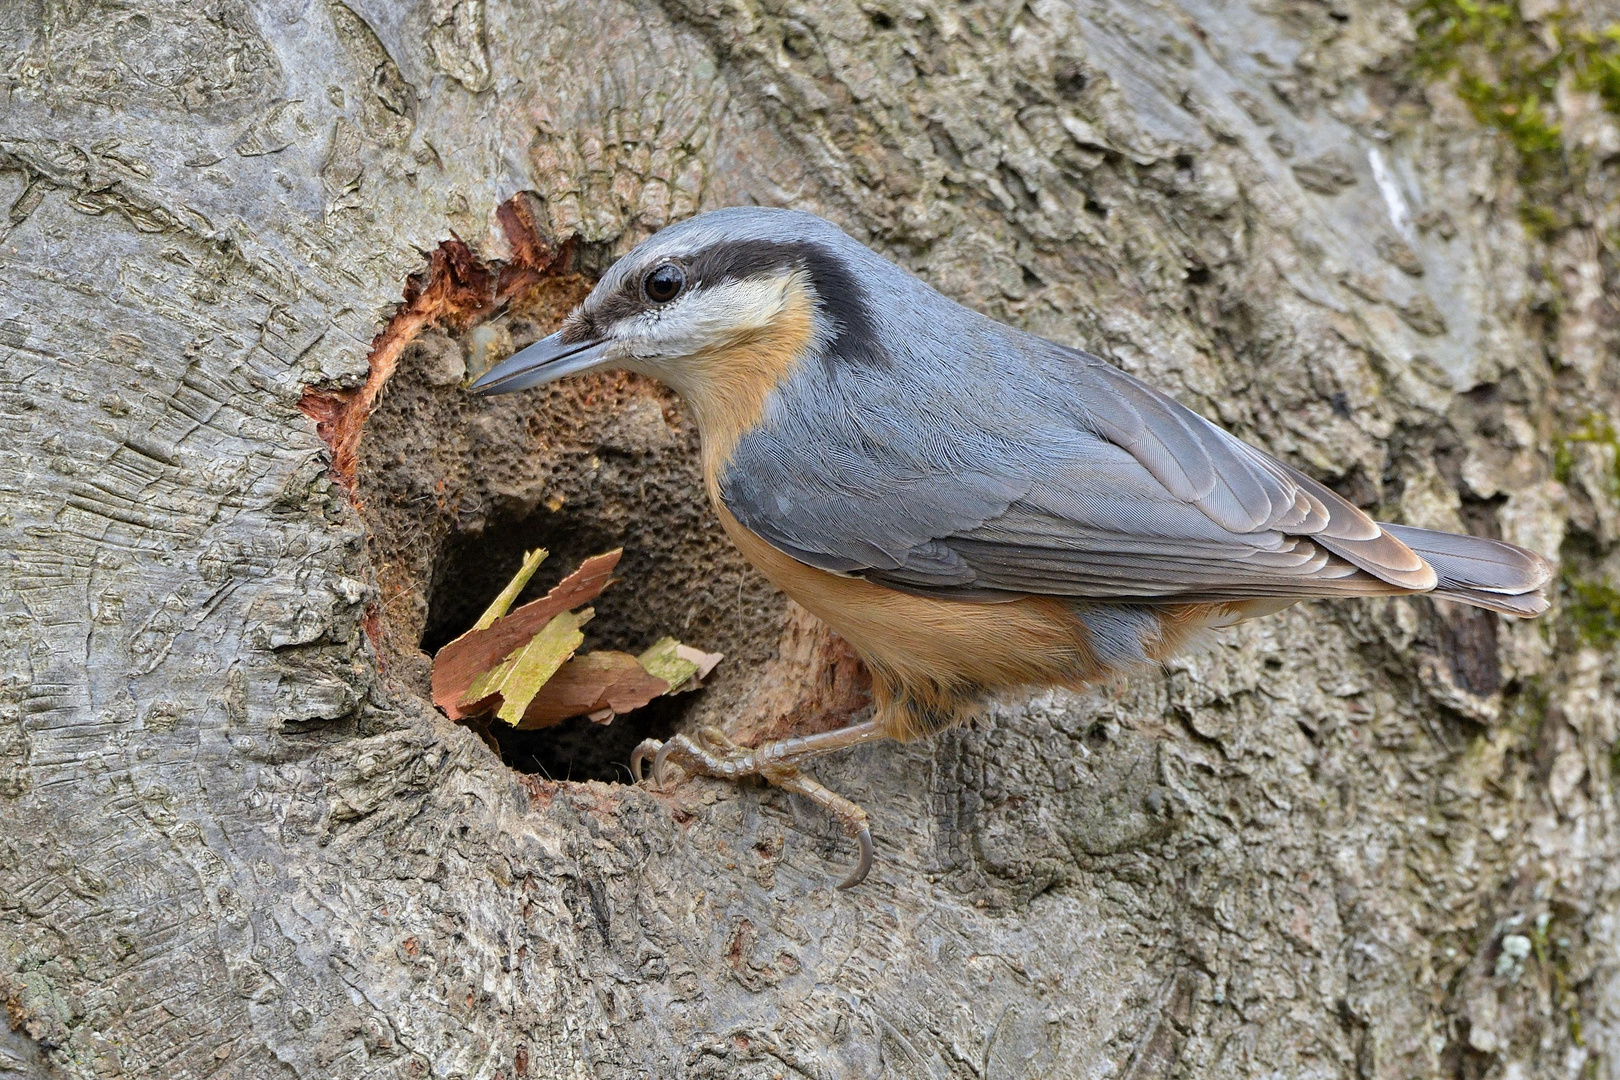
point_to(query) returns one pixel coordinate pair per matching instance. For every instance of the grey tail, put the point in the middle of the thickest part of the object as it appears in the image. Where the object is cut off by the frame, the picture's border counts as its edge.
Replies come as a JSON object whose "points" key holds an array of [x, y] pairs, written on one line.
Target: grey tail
{"points": [[1485, 573]]}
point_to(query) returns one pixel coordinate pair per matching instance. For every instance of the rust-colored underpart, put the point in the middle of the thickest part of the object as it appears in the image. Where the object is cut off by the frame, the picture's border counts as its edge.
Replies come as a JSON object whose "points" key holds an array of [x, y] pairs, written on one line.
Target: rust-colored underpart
{"points": [[457, 292]]}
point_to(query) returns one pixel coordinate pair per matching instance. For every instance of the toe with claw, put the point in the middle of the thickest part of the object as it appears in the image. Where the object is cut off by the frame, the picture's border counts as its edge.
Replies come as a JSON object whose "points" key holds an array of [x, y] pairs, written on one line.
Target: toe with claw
{"points": [[775, 763], [645, 749]]}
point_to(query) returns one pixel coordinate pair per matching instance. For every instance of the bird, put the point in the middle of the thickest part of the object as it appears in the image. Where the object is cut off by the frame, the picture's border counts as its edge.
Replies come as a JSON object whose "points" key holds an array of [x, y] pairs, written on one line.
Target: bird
{"points": [[973, 508]]}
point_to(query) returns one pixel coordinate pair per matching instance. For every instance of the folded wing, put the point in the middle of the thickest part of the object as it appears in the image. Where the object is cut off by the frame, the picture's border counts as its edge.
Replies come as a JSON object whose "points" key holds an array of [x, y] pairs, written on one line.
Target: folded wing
{"points": [[1102, 488]]}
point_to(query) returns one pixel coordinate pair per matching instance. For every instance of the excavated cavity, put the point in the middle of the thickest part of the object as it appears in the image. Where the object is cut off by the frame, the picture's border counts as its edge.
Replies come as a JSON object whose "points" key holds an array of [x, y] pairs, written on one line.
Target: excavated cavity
{"points": [[455, 488]]}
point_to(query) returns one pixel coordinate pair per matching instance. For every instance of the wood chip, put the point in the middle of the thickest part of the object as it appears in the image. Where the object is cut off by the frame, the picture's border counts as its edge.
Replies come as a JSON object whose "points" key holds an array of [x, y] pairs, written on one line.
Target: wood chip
{"points": [[599, 684], [682, 666], [514, 588], [538, 661], [521, 667], [472, 654]]}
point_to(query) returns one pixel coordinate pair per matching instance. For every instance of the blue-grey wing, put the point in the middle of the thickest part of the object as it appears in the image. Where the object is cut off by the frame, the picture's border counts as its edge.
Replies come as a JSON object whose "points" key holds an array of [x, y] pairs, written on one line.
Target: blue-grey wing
{"points": [[1069, 479]]}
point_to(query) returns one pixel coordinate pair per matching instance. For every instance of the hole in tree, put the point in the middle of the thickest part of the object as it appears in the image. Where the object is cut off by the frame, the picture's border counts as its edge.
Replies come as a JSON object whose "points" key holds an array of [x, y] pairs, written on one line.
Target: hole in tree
{"points": [[474, 566], [798, 44], [454, 489], [1070, 79]]}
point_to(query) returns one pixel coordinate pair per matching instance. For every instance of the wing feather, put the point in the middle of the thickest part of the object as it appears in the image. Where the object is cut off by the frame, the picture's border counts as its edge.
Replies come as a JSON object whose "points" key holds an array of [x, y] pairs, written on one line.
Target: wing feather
{"points": [[1089, 484]]}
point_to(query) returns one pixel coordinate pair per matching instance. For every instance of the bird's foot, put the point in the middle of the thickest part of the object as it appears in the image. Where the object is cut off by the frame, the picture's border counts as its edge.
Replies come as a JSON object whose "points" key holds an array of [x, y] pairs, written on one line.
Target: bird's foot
{"points": [[775, 763], [716, 755]]}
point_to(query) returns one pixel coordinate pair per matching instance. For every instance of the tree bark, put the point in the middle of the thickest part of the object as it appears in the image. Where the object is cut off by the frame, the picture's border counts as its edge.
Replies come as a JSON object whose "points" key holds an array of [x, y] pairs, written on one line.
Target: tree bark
{"points": [[1372, 839]]}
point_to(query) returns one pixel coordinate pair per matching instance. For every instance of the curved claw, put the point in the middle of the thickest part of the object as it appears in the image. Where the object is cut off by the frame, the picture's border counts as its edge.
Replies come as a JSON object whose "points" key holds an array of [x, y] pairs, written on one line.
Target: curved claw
{"points": [[644, 749], [660, 765], [863, 867]]}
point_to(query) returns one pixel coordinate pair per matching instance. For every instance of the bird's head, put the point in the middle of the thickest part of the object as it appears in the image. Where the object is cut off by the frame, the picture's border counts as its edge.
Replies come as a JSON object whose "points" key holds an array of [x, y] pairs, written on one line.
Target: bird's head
{"points": [[720, 306]]}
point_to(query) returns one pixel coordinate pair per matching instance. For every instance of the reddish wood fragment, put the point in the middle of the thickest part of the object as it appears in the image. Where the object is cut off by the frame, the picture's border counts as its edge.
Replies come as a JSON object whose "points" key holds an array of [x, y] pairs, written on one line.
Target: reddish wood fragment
{"points": [[612, 681], [371, 626], [532, 257], [457, 291], [475, 652]]}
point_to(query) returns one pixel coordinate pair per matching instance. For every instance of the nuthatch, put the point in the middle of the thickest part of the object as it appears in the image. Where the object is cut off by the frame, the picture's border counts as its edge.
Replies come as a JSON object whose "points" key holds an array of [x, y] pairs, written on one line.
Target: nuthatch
{"points": [[971, 507]]}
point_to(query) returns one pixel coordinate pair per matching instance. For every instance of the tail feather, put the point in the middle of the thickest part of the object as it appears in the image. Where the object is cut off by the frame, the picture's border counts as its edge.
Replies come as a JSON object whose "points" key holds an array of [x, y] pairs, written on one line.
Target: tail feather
{"points": [[1479, 571], [1527, 606]]}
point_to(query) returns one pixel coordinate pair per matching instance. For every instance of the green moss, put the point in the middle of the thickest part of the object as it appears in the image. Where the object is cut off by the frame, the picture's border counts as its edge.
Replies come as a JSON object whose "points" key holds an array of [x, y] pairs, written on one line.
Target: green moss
{"points": [[1507, 71], [1518, 112], [1598, 59], [1551, 953], [1596, 428], [1592, 608], [1563, 460]]}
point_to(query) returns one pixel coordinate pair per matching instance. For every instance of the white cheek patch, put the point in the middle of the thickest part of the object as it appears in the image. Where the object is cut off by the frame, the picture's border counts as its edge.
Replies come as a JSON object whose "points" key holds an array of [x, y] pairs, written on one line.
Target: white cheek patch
{"points": [[707, 317]]}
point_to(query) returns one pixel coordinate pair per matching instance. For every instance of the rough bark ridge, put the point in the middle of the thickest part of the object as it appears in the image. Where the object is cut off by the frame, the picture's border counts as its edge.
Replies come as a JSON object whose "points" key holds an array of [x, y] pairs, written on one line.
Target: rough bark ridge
{"points": [[1360, 840]]}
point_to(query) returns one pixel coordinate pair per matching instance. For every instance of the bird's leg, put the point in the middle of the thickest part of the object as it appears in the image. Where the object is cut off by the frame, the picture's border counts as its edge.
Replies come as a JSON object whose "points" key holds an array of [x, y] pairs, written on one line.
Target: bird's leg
{"points": [[733, 762], [849, 815], [776, 763]]}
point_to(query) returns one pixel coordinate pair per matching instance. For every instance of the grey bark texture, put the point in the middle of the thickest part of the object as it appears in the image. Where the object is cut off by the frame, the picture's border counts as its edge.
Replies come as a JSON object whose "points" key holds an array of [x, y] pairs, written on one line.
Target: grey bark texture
{"points": [[1373, 839]]}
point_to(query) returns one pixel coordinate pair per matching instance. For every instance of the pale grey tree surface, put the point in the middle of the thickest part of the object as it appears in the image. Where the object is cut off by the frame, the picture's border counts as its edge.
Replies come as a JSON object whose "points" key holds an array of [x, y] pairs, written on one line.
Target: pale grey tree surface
{"points": [[1372, 839]]}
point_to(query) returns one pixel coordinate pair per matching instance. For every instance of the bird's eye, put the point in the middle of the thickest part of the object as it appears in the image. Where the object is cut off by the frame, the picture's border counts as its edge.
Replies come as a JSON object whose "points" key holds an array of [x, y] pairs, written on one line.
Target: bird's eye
{"points": [[664, 283]]}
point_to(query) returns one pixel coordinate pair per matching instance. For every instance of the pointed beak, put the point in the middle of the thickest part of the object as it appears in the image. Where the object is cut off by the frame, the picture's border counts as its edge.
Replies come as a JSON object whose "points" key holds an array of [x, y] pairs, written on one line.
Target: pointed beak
{"points": [[545, 361]]}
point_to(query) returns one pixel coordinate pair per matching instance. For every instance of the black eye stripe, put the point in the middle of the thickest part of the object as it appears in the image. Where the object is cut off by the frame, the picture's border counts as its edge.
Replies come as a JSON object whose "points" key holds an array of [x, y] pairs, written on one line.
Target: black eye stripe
{"points": [[619, 305], [840, 295]]}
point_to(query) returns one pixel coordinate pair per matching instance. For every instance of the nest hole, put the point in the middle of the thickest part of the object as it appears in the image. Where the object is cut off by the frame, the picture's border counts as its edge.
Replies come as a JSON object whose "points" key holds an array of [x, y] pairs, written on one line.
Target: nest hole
{"points": [[454, 489], [474, 565]]}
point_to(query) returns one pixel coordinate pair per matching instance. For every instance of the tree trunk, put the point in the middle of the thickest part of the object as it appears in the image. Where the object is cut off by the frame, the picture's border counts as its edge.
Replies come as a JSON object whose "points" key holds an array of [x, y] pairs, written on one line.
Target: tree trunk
{"points": [[252, 249]]}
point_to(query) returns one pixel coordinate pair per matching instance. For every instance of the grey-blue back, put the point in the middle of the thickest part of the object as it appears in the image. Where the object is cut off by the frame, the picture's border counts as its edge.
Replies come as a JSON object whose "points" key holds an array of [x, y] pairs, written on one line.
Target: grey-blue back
{"points": [[964, 458]]}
